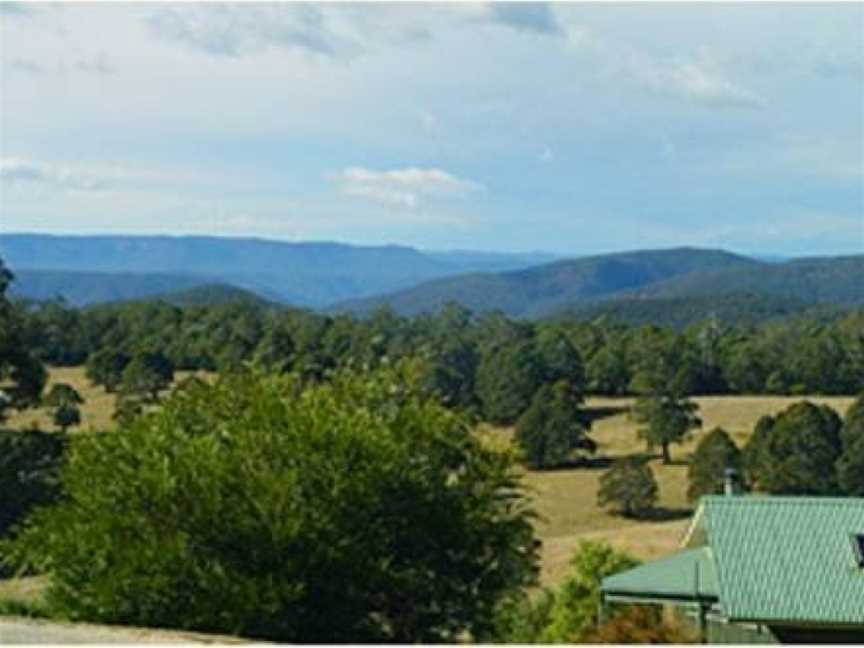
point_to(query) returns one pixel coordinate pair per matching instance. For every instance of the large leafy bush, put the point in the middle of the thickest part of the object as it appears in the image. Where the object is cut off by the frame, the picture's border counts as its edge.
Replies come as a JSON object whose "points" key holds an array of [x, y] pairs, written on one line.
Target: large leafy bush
{"points": [[351, 511]]}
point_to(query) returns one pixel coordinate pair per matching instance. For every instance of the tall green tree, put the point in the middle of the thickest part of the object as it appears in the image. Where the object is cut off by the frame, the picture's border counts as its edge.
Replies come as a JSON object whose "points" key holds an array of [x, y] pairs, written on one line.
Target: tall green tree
{"points": [[146, 375], [64, 400], [553, 427], [29, 473], [666, 414], [22, 376], [665, 420], [715, 453], [275, 350], [105, 367], [507, 379], [850, 464], [608, 371], [352, 511], [561, 361], [449, 371], [795, 452]]}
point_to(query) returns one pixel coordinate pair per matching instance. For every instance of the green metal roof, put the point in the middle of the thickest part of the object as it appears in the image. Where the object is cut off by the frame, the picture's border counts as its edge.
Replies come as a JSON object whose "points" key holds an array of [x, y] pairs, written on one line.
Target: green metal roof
{"points": [[768, 559], [787, 558], [687, 575]]}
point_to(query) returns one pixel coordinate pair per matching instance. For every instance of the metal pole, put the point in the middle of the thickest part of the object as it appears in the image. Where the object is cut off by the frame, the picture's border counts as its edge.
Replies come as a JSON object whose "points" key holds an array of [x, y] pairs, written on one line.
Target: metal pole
{"points": [[703, 626]]}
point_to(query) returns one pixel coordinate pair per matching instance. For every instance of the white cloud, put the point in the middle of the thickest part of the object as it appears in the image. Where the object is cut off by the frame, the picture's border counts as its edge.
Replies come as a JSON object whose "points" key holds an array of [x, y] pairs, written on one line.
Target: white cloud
{"points": [[23, 171], [235, 30], [98, 176], [404, 188], [97, 65], [699, 80], [26, 66], [535, 17]]}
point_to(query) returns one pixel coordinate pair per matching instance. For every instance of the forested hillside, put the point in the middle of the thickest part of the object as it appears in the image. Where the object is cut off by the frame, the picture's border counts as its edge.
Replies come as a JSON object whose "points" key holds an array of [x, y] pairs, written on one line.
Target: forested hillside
{"points": [[212, 295], [687, 281], [85, 288], [680, 312], [832, 280], [543, 289]]}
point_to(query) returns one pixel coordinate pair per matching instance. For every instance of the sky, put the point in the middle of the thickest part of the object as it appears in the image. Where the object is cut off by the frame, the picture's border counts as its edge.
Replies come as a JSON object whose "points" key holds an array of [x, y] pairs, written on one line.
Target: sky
{"points": [[571, 128]]}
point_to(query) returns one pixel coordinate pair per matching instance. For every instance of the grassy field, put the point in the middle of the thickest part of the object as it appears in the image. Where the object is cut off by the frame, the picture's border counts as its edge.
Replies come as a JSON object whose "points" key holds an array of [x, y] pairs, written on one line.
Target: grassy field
{"points": [[95, 412], [565, 499]]}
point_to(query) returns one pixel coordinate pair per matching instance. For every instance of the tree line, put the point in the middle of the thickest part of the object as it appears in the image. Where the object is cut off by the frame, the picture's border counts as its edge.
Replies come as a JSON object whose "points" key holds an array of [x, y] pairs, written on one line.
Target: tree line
{"points": [[797, 355]]}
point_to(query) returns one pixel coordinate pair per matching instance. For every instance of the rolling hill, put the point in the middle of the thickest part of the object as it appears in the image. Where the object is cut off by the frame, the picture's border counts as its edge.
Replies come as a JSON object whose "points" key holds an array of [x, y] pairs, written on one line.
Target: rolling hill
{"points": [[548, 288], [85, 288], [664, 284], [826, 280], [304, 274], [212, 295]]}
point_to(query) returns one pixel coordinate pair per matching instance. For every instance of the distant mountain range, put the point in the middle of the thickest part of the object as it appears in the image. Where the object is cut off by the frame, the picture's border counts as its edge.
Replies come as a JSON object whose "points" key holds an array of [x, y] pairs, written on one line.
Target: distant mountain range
{"points": [[673, 286], [303, 274], [591, 284], [545, 289]]}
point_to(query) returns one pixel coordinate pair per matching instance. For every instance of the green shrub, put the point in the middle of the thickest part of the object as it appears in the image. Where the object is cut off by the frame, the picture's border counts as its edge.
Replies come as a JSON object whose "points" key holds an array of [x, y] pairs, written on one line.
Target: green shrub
{"points": [[715, 453], [350, 511], [522, 618], [578, 599], [562, 615], [628, 486]]}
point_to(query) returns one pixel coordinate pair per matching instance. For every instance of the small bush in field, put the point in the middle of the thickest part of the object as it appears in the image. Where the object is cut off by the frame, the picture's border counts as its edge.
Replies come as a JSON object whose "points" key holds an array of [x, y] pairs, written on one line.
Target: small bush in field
{"points": [[628, 486]]}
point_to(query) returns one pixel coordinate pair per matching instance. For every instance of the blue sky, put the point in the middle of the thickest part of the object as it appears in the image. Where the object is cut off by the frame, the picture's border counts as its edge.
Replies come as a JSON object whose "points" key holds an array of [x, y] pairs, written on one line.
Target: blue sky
{"points": [[564, 127]]}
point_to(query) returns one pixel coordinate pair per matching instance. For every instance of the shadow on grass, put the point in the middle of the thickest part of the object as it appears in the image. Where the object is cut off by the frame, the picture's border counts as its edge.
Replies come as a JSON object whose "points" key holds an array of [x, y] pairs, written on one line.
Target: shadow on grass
{"points": [[662, 514], [676, 462], [582, 463], [592, 414]]}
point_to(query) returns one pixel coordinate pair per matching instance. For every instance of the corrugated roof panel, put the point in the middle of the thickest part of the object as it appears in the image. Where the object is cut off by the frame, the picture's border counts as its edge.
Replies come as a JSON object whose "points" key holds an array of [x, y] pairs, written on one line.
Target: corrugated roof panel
{"points": [[787, 558], [688, 574]]}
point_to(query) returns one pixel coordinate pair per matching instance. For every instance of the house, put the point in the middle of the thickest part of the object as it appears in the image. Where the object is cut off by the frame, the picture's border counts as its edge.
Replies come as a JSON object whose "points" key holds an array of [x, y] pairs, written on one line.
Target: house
{"points": [[761, 570]]}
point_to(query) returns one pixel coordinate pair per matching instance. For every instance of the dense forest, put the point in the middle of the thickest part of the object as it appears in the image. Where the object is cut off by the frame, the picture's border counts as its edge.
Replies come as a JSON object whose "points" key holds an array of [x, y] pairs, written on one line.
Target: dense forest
{"points": [[464, 353]]}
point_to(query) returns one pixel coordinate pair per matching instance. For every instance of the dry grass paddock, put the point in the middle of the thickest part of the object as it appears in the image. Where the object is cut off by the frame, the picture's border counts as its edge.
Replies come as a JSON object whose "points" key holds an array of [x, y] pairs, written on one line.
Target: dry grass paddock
{"points": [[96, 411], [565, 499]]}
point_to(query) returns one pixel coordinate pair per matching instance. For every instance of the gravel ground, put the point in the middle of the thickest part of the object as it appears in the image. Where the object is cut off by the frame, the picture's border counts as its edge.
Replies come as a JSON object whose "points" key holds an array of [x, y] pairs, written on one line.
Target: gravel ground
{"points": [[15, 630]]}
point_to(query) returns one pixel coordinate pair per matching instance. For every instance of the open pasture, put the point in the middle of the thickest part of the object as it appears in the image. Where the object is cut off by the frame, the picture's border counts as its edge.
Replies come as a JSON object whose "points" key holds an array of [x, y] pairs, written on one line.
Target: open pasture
{"points": [[566, 499], [96, 411]]}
